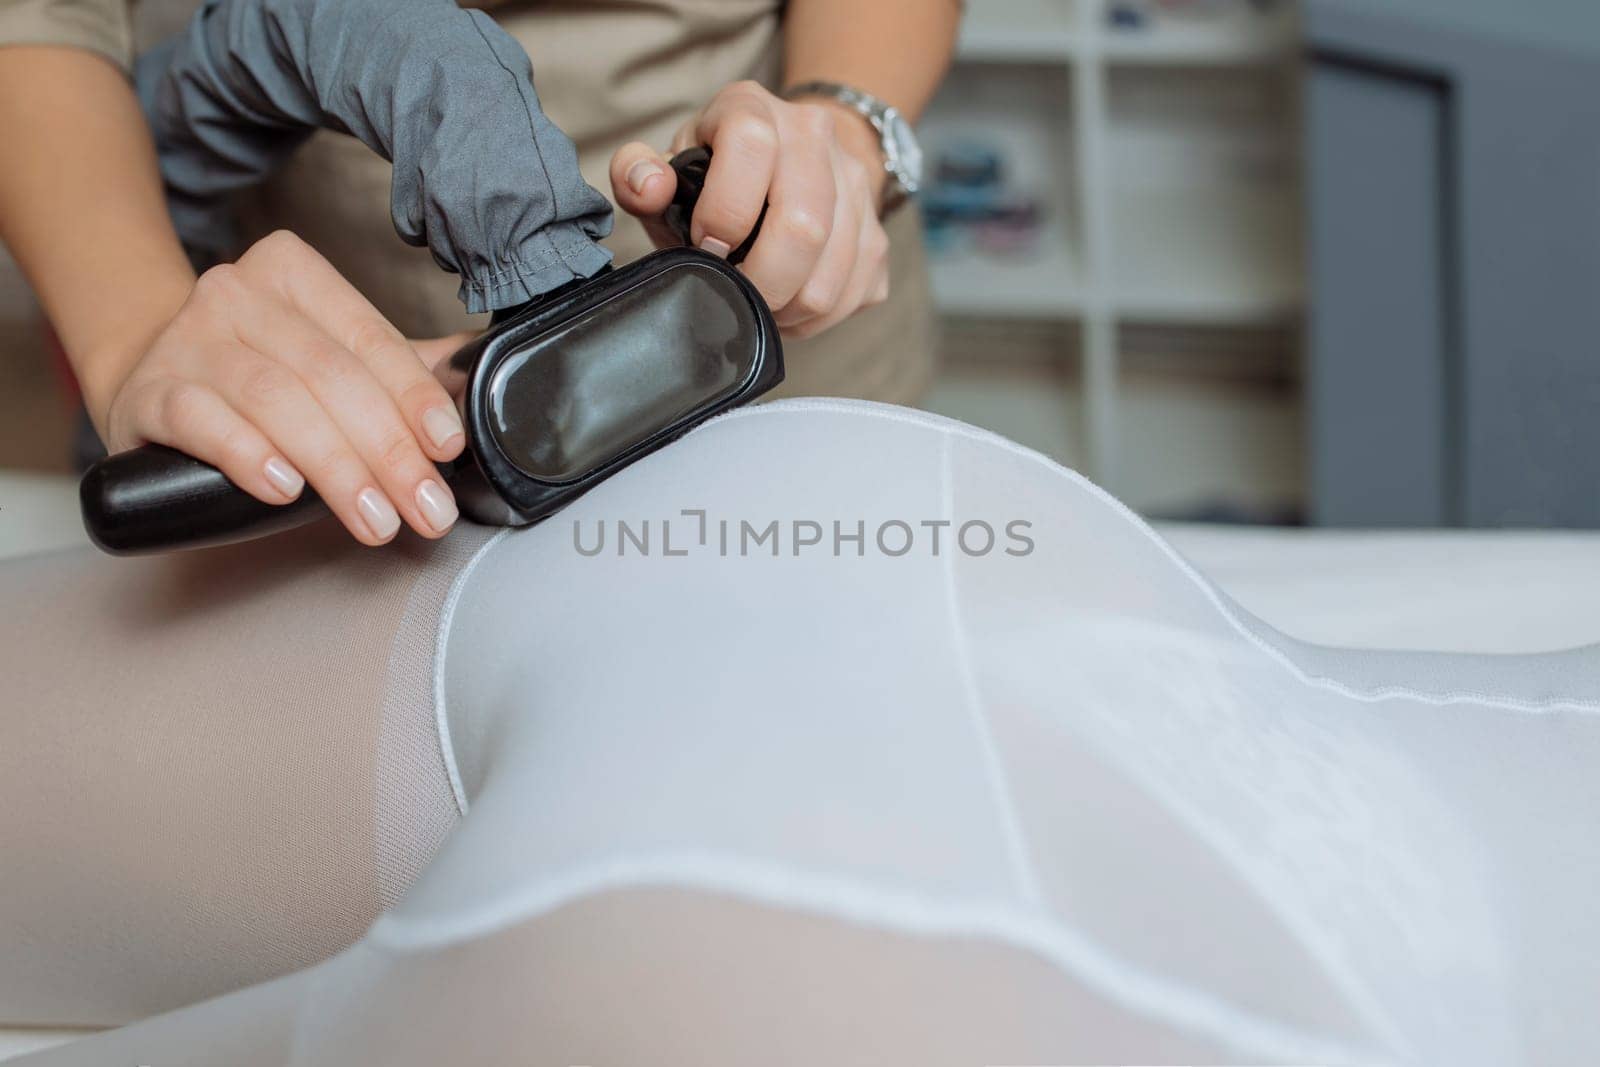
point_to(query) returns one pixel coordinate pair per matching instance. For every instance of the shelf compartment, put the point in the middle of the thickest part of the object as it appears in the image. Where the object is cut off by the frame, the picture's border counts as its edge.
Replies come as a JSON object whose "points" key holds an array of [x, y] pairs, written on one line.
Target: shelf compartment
{"points": [[1232, 35], [1204, 198], [1207, 256], [1189, 447], [1056, 31], [1023, 114], [1188, 444], [1020, 31], [1049, 286]]}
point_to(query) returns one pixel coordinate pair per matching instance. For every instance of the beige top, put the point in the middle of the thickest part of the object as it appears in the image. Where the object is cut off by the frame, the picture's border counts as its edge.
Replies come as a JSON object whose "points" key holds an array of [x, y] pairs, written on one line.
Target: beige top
{"points": [[608, 71]]}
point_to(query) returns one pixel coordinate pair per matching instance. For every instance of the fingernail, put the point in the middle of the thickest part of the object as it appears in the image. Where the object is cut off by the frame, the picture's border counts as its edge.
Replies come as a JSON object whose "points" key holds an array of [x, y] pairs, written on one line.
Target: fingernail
{"points": [[380, 515], [720, 249], [441, 424], [284, 478], [436, 505], [640, 173]]}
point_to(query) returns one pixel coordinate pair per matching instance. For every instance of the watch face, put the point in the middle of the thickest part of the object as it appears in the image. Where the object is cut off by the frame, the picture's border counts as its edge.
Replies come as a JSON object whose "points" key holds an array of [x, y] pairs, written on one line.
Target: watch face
{"points": [[907, 153]]}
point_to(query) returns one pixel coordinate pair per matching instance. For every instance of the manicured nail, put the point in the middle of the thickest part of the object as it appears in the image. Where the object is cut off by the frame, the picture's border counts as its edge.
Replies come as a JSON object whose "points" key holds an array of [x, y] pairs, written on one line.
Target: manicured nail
{"points": [[720, 249], [442, 425], [640, 173], [284, 478], [379, 514], [436, 505]]}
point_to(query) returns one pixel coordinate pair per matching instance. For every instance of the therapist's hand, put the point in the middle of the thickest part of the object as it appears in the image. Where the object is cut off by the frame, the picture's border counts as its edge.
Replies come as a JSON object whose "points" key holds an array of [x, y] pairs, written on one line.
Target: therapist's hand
{"points": [[278, 372], [822, 253]]}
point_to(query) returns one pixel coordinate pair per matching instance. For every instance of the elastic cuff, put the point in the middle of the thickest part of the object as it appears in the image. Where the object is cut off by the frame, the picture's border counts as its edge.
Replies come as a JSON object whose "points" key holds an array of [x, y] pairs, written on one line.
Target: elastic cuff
{"points": [[555, 256]]}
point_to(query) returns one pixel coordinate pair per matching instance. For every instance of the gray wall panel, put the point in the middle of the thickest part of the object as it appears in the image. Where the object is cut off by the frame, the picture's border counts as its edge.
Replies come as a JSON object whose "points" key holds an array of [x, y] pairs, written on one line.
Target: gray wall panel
{"points": [[1517, 176], [1529, 178], [1377, 331]]}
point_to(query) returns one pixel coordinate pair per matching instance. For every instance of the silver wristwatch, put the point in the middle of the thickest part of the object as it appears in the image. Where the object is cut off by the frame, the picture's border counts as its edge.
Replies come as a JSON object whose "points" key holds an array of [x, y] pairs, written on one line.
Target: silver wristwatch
{"points": [[902, 156]]}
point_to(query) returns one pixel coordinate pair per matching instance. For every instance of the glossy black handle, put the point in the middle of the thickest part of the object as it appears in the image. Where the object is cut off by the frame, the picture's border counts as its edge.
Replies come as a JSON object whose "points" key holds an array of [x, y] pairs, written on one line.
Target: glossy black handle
{"points": [[155, 498], [691, 166]]}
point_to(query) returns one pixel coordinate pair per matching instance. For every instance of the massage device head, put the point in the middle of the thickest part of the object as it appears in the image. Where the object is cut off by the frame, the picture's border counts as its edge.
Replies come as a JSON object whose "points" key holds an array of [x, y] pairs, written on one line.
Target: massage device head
{"points": [[569, 392], [556, 396]]}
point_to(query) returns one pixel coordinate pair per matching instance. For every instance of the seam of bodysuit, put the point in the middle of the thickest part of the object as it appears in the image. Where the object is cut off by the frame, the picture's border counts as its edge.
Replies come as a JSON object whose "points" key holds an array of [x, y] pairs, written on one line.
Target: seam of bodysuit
{"points": [[440, 649], [1228, 613], [1016, 839], [994, 767], [875, 906]]}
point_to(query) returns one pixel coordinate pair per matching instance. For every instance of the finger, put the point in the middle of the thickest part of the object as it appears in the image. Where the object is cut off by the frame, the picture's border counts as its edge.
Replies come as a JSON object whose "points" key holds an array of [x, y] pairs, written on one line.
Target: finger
{"points": [[800, 217], [274, 399], [287, 266], [743, 135], [868, 284], [424, 404], [365, 410], [835, 266], [641, 181], [643, 184], [194, 419], [686, 137]]}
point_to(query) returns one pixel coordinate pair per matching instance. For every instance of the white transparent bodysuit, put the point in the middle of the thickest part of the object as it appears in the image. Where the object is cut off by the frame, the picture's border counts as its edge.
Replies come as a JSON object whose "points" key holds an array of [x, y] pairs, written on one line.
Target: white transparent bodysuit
{"points": [[499, 800]]}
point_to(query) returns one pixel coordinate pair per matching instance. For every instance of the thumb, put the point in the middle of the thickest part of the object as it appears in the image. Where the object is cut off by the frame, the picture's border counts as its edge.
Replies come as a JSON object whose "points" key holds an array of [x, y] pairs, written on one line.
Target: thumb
{"points": [[642, 184]]}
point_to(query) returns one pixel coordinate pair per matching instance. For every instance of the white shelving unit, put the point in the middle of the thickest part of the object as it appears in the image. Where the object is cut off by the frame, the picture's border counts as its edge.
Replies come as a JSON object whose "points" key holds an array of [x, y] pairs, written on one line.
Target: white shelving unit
{"points": [[1165, 160]]}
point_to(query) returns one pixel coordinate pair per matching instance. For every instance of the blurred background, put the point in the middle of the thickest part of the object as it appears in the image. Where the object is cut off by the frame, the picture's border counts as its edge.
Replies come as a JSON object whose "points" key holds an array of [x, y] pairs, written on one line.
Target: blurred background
{"points": [[1326, 261], [1333, 262]]}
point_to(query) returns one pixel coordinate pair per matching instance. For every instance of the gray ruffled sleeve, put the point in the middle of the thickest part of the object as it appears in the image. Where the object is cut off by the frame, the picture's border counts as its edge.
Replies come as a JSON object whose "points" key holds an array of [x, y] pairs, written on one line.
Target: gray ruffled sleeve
{"points": [[481, 176]]}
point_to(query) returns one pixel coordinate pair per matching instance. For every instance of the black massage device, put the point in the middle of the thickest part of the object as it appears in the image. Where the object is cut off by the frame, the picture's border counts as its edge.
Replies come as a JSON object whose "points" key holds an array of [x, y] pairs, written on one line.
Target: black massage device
{"points": [[556, 396]]}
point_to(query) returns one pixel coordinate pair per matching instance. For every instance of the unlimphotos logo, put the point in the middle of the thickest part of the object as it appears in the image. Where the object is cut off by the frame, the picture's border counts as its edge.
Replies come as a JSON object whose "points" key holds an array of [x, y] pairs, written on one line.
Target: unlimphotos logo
{"points": [[693, 531]]}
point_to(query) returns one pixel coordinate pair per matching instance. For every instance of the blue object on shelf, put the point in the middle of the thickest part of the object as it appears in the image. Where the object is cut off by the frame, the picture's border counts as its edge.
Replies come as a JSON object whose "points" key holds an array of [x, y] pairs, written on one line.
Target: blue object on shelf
{"points": [[971, 166], [1126, 16]]}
